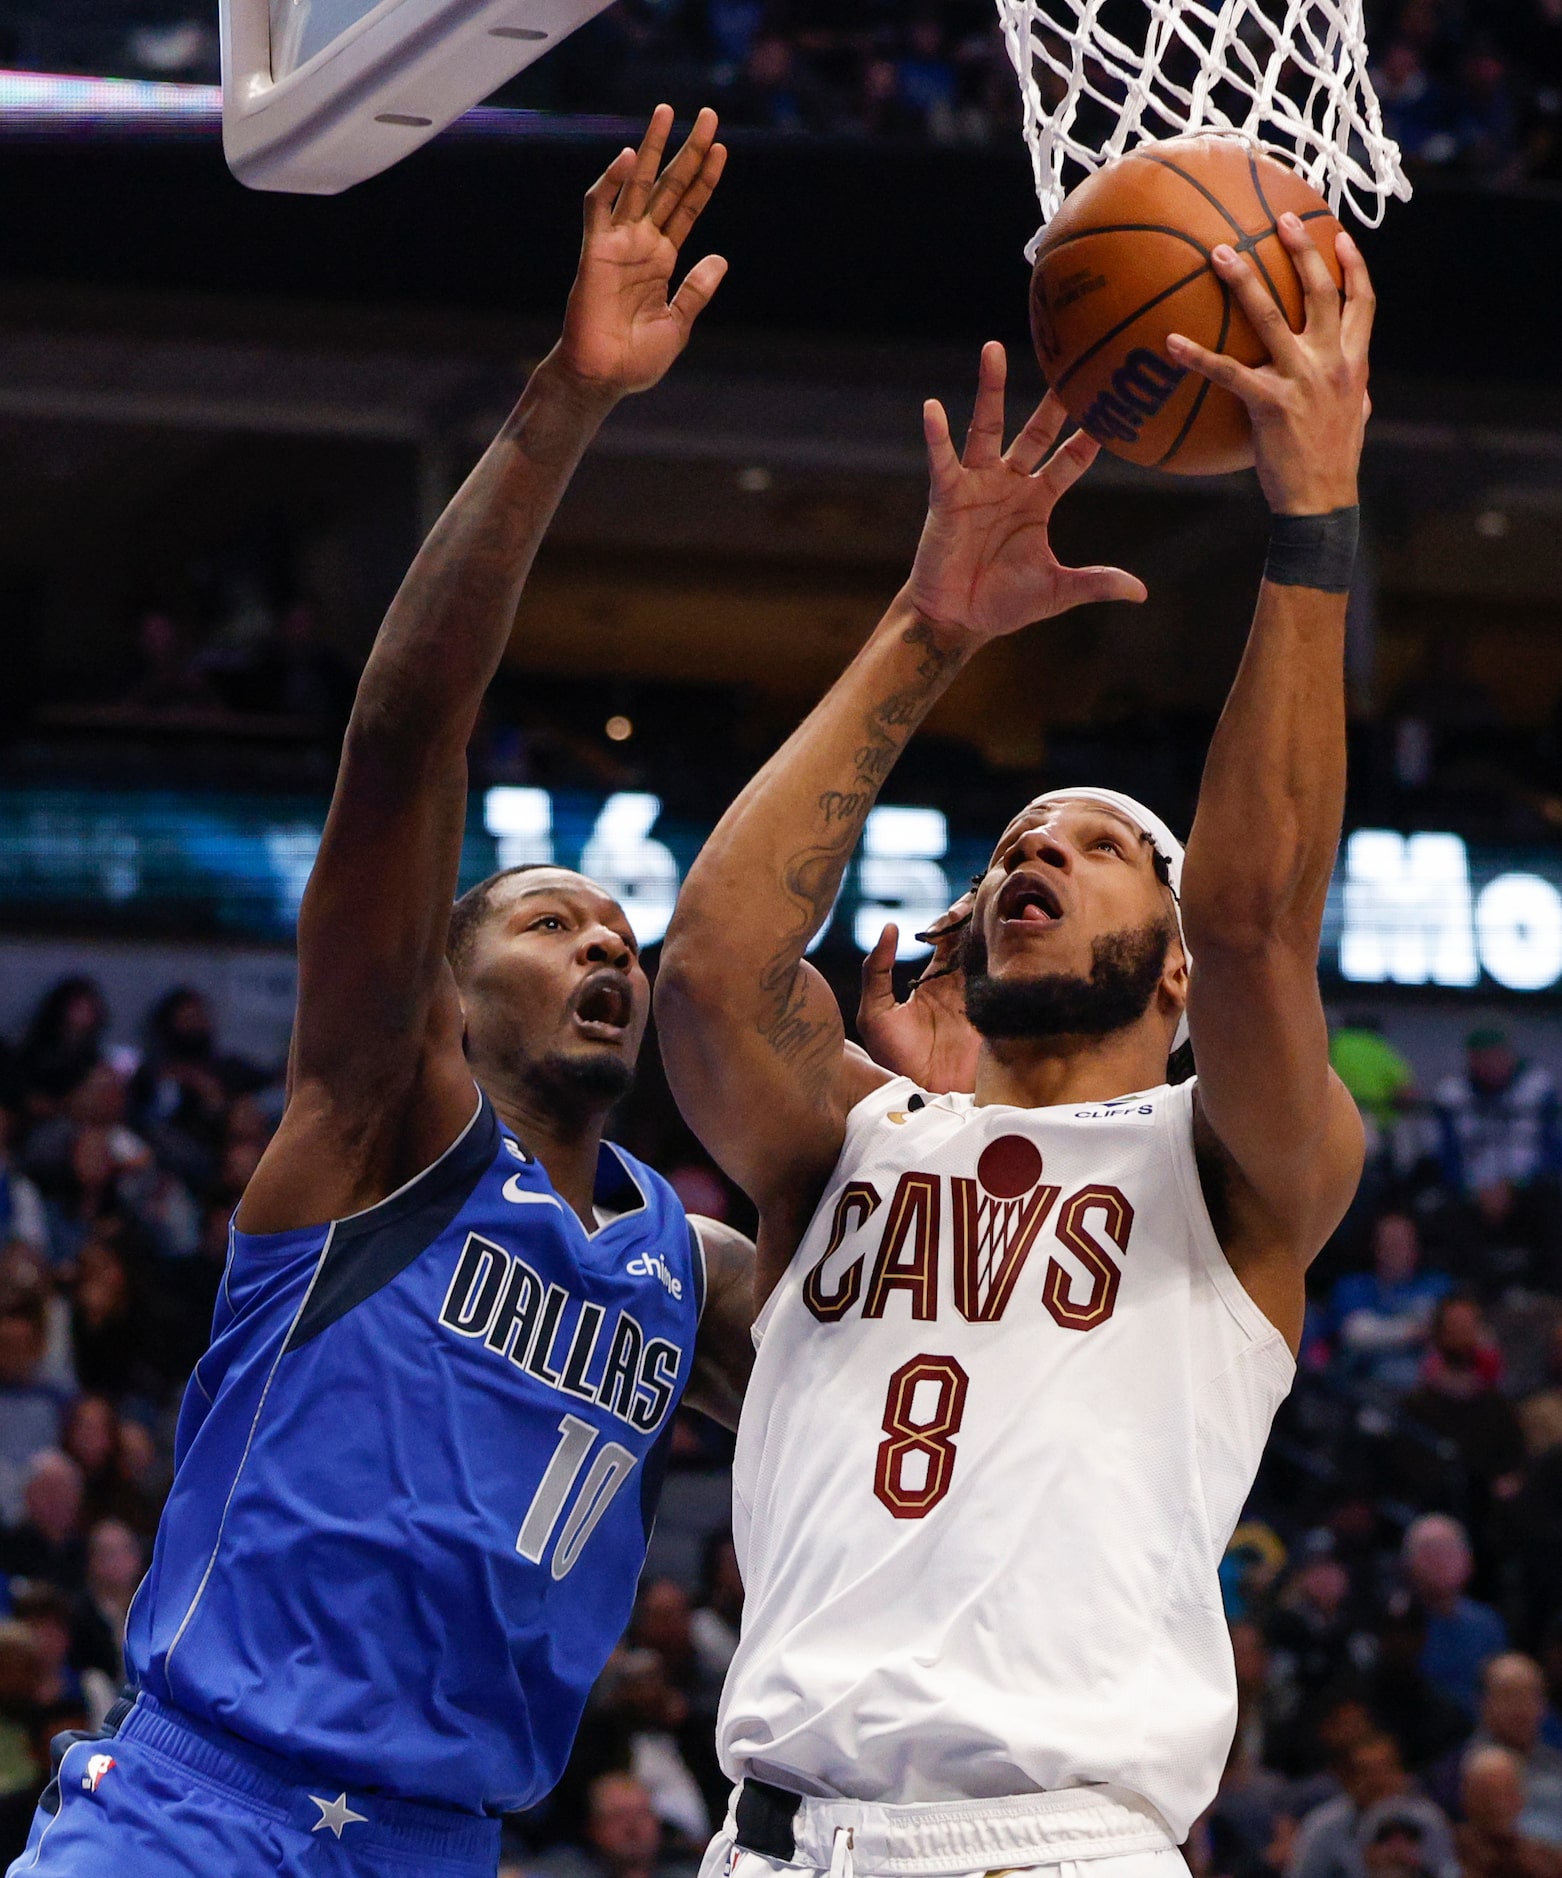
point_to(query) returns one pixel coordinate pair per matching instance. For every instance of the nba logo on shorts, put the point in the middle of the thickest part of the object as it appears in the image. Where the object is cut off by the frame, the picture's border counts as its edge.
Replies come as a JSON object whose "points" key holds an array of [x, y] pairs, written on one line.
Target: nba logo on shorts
{"points": [[97, 1767]]}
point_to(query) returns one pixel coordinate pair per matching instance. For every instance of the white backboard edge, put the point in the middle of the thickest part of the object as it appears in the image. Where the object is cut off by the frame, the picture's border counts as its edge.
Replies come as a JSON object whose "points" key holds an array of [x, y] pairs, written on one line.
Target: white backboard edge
{"points": [[394, 79]]}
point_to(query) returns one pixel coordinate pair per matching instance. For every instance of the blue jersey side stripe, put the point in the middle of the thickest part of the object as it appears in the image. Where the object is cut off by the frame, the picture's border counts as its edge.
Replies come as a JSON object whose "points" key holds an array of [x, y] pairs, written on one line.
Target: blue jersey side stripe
{"points": [[249, 1442], [371, 1248]]}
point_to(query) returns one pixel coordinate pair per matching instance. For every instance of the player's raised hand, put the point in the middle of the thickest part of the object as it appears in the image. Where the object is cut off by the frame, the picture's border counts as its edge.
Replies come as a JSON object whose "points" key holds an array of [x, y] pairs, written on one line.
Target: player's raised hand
{"points": [[1309, 404], [928, 1037], [985, 562], [624, 325]]}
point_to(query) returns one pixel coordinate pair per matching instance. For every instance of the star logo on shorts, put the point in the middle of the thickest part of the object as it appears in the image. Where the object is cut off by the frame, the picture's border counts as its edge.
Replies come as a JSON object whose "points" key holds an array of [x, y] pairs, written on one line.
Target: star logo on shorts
{"points": [[336, 1814]]}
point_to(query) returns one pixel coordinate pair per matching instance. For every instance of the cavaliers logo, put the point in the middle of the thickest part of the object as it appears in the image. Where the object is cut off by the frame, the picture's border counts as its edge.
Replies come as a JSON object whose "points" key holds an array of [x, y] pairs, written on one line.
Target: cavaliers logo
{"points": [[997, 1218]]}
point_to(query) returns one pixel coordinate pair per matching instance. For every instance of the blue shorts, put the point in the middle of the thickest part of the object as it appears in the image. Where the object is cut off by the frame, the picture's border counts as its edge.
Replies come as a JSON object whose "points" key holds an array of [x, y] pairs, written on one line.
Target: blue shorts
{"points": [[164, 1796]]}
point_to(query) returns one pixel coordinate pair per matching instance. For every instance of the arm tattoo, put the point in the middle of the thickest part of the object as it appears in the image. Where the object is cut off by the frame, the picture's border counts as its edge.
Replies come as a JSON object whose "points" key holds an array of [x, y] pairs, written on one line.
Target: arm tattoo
{"points": [[812, 876]]}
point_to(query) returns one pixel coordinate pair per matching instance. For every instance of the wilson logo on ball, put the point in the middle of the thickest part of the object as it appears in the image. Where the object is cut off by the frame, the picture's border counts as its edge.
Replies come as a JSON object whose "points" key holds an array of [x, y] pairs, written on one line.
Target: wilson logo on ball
{"points": [[1140, 389]]}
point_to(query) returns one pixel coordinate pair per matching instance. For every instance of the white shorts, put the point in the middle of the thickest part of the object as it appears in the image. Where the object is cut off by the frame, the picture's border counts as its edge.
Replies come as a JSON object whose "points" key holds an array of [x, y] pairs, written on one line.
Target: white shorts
{"points": [[1081, 1832], [1166, 1863]]}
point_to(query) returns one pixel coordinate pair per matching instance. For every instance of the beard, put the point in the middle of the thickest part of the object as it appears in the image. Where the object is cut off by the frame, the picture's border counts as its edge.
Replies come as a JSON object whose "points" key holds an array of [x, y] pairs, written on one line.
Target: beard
{"points": [[575, 1087], [1125, 968]]}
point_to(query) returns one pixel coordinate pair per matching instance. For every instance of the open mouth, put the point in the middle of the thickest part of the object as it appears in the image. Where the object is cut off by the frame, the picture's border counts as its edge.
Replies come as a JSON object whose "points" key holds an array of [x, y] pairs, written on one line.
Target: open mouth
{"points": [[604, 1006], [1028, 900]]}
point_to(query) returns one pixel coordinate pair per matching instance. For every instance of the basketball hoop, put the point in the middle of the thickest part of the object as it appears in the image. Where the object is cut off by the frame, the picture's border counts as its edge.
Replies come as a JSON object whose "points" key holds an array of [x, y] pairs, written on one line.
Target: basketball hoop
{"points": [[319, 94], [1287, 75]]}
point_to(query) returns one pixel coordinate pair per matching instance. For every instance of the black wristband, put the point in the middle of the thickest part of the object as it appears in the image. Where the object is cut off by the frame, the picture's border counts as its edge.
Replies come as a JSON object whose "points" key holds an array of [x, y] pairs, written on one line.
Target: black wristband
{"points": [[1314, 550]]}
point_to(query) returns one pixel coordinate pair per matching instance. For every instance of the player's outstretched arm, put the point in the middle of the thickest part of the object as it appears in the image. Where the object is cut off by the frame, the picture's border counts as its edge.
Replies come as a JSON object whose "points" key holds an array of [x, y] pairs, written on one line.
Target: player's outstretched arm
{"points": [[751, 1035], [378, 1086], [1278, 1132]]}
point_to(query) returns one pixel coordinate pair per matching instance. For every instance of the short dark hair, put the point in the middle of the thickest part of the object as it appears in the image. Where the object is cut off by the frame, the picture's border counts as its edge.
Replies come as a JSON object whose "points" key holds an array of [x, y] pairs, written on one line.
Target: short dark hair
{"points": [[473, 907]]}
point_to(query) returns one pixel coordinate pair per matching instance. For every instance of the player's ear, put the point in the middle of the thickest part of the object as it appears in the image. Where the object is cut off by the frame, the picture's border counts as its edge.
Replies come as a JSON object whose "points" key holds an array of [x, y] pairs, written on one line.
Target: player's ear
{"points": [[1174, 973]]}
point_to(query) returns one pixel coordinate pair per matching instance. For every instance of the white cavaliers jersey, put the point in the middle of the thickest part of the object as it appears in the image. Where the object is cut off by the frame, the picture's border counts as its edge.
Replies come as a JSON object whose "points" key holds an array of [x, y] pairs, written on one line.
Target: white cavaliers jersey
{"points": [[1008, 1403]]}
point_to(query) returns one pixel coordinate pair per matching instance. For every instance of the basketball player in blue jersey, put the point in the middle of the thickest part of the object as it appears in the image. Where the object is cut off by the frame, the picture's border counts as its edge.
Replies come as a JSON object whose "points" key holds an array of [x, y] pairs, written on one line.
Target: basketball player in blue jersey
{"points": [[416, 1468]]}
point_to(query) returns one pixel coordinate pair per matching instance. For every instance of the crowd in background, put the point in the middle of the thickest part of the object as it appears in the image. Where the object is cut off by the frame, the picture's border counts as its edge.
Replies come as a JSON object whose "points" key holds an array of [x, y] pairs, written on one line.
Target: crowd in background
{"points": [[1394, 1588], [1469, 87]]}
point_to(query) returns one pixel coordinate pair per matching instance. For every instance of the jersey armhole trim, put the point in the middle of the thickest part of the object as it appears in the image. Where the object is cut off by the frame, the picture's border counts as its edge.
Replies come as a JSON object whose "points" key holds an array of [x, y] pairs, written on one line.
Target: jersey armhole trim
{"points": [[701, 1269], [1178, 1136], [384, 1211]]}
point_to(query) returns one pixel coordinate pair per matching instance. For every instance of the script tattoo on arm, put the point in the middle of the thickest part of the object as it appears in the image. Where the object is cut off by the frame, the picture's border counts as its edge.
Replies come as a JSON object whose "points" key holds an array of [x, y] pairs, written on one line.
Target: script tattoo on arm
{"points": [[812, 876]]}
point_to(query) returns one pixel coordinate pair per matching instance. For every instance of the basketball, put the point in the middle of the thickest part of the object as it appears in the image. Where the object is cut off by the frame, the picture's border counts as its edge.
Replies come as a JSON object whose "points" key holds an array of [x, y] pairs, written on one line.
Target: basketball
{"points": [[1126, 261]]}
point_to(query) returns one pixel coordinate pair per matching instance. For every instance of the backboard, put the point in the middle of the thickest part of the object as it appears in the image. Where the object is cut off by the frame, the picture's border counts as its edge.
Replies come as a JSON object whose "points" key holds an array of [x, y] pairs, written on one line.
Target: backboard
{"points": [[319, 94]]}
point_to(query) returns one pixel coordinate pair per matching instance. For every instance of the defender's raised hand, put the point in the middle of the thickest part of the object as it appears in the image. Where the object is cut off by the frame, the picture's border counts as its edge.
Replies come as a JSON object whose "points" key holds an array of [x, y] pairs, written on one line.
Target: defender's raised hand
{"points": [[928, 1037], [624, 325], [985, 563], [1309, 404]]}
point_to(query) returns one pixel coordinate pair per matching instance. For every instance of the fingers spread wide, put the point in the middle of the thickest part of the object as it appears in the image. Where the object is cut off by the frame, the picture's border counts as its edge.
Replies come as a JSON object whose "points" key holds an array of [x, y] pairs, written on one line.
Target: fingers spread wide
{"points": [[1040, 433], [984, 439]]}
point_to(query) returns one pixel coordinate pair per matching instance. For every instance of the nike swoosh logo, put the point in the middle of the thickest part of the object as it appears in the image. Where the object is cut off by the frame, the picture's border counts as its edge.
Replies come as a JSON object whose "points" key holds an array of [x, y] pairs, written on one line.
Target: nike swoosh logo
{"points": [[518, 1195]]}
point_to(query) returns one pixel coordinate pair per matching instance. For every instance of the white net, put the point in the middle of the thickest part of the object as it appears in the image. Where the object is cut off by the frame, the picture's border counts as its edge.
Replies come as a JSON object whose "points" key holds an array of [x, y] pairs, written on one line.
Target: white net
{"points": [[1099, 77]]}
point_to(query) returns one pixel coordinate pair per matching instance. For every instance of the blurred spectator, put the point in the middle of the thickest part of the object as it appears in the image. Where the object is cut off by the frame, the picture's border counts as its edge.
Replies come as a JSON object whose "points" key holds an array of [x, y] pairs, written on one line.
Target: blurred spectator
{"points": [[29, 1406], [1540, 1413], [1462, 1636], [1459, 1402], [47, 1614], [1313, 1638], [115, 1563], [1499, 1142], [1329, 1842], [1491, 1844], [1513, 1709], [638, 1700], [46, 1543], [183, 1091], [114, 1468], [661, 1622], [1486, 117], [63, 1041], [21, 1205], [106, 1324], [1393, 1842], [1380, 1080], [622, 1837], [1382, 1319], [18, 1708], [1416, 109], [715, 1625], [98, 1103], [1424, 1719]]}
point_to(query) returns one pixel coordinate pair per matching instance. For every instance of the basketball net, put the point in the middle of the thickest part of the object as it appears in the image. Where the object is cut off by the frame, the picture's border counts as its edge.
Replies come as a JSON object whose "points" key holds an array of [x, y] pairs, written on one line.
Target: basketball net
{"points": [[1288, 75]]}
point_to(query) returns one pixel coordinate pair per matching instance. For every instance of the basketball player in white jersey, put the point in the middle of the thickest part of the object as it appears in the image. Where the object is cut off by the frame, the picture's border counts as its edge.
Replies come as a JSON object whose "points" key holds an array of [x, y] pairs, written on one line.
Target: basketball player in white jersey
{"points": [[1021, 1345]]}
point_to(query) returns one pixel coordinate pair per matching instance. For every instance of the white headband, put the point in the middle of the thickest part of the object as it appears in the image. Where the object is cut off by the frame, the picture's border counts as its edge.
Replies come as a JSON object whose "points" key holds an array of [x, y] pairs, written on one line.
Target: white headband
{"points": [[1159, 836]]}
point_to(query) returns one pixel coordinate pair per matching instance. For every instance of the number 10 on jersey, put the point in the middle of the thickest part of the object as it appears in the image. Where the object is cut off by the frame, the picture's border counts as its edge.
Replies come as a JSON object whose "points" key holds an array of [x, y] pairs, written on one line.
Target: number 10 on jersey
{"points": [[608, 1472]]}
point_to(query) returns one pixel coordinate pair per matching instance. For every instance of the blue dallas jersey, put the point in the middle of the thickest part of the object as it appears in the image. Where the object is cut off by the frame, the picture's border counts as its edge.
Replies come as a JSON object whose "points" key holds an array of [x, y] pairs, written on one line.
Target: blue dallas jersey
{"points": [[416, 1473]]}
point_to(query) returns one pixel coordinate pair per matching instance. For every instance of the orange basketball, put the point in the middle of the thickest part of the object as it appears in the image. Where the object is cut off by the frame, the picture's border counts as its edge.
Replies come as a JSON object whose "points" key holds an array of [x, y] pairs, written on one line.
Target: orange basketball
{"points": [[1126, 261]]}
